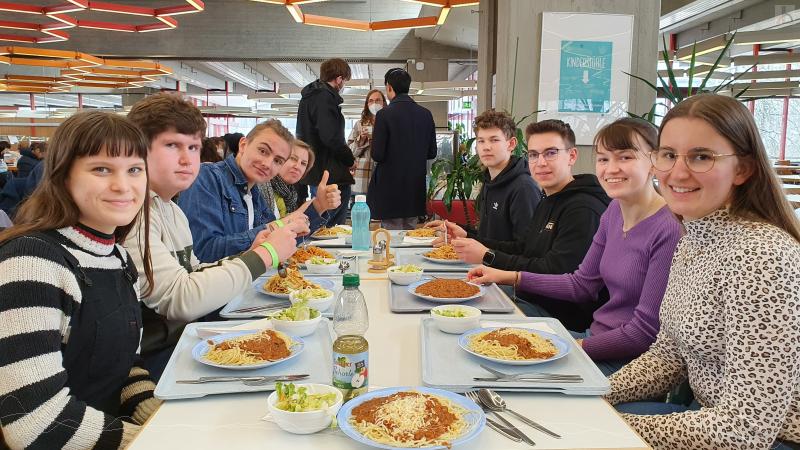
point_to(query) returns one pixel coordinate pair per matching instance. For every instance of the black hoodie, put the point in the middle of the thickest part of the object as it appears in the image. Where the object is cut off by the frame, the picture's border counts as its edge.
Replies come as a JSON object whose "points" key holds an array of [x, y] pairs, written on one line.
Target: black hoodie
{"points": [[507, 203], [556, 241], [320, 124]]}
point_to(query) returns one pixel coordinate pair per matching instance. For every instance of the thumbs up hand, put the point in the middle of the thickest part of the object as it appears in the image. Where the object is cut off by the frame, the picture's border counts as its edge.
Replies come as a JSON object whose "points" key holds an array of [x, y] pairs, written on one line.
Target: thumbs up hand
{"points": [[328, 195]]}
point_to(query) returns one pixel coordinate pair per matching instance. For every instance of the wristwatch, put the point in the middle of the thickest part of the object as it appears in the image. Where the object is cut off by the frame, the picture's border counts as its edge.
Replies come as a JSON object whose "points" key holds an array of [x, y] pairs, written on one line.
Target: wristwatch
{"points": [[488, 258]]}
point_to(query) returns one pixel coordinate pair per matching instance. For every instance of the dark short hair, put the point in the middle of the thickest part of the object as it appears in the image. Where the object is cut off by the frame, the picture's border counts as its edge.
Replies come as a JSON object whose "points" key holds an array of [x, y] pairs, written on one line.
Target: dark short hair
{"points": [[552, 126], [161, 112], [496, 119], [619, 135], [398, 79], [4, 145], [333, 68]]}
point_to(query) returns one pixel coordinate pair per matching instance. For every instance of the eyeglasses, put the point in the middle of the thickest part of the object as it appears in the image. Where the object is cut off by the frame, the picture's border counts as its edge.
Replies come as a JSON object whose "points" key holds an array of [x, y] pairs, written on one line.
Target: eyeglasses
{"points": [[549, 154], [697, 161]]}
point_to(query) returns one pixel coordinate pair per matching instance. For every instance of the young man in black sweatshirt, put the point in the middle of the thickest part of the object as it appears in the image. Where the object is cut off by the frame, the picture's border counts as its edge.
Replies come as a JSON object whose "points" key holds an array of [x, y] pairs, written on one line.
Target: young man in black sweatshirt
{"points": [[562, 227], [508, 196]]}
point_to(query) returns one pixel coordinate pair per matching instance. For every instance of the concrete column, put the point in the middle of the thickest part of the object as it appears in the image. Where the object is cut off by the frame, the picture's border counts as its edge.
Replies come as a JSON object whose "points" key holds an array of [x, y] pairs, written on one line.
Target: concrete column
{"points": [[519, 51], [433, 70], [487, 53]]}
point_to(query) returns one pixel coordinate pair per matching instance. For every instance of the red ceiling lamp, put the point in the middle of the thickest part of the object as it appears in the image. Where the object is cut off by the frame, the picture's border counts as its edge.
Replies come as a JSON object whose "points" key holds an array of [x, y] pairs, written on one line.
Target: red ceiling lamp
{"points": [[77, 69], [61, 13], [293, 6]]}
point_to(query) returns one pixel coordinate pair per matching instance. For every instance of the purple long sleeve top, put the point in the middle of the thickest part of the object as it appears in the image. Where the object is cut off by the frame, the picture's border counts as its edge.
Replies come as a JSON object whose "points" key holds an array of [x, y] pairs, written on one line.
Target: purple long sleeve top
{"points": [[634, 266]]}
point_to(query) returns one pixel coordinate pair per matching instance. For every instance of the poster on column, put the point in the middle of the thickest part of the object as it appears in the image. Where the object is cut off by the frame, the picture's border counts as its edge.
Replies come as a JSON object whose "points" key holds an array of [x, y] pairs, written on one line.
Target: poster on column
{"points": [[581, 79]]}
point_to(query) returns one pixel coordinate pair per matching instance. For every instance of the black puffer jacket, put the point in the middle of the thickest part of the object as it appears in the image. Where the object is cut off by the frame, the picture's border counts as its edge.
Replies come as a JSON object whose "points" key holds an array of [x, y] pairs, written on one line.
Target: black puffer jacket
{"points": [[320, 124], [556, 241]]}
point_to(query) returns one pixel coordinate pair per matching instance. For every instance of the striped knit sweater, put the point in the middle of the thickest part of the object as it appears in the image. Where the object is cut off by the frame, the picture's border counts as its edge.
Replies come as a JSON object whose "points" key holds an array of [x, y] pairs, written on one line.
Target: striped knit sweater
{"points": [[39, 293]]}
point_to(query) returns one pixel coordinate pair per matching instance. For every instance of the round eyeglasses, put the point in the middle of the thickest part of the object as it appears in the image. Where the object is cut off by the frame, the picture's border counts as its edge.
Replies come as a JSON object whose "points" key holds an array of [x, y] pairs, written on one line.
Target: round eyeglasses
{"points": [[697, 161], [549, 154]]}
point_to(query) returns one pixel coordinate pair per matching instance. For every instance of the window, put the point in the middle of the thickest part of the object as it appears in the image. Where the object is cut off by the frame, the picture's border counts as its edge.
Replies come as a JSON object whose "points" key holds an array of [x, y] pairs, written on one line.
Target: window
{"points": [[769, 119]]}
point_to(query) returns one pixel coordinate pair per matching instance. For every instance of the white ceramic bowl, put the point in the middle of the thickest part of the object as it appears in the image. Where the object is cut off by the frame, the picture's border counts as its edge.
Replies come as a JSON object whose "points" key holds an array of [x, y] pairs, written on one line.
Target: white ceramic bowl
{"points": [[305, 422], [298, 328], [457, 325], [320, 304], [404, 278], [323, 268]]}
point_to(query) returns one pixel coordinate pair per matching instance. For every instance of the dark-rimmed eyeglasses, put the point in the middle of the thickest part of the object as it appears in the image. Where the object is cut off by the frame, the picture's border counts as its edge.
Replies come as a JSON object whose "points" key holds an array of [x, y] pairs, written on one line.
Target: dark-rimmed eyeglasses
{"points": [[697, 160], [549, 154]]}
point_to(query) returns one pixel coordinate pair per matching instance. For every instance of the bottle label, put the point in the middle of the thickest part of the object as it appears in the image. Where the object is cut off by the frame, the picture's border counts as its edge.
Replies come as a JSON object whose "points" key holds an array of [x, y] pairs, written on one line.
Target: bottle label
{"points": [[350, 373]]}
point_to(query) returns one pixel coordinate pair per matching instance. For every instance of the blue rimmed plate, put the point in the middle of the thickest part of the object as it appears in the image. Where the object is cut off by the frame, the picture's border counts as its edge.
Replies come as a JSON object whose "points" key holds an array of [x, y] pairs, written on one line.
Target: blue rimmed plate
{"points": [[561, 345], [412, 289], [474, 416], [202, 347], [324, 283]]}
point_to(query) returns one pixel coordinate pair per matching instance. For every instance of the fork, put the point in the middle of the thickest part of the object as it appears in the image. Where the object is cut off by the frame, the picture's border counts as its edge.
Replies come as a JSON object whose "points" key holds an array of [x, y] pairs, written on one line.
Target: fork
{"points": [[473, 395]]}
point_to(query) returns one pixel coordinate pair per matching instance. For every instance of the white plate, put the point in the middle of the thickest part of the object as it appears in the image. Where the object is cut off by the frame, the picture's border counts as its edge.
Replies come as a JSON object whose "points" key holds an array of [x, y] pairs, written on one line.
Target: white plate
{"points": [[442, 261], [412, 289], [322, 282], [561, 345], [202, 347]]}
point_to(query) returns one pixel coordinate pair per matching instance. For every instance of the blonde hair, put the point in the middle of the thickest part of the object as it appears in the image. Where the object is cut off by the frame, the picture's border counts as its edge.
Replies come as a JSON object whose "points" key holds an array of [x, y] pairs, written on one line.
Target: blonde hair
{"points": [[301, 144]]}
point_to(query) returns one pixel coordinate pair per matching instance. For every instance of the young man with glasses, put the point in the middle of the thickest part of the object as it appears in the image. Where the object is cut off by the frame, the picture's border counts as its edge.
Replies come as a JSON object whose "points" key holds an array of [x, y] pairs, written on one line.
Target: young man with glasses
{"points": [[562, 227]]}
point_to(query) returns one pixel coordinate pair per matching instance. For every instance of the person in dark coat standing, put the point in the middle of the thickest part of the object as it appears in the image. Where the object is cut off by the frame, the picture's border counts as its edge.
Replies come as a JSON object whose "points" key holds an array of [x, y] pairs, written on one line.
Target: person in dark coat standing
{"points": [[30, 158], [403, 139], [320, 123]]}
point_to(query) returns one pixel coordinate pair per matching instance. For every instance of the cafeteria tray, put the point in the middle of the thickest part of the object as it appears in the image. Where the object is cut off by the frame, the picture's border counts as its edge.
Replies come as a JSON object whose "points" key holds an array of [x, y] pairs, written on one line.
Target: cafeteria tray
{"points": [[445, 365], [315, 360], [345, 242], [402, 301], [414, 256], [254, 297]]}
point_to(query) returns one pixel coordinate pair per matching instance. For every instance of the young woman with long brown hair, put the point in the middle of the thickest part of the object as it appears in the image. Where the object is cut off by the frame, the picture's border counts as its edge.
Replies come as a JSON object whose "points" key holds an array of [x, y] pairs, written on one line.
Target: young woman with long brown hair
{"points": [[360, 140], [730, 319], [70, 320]]}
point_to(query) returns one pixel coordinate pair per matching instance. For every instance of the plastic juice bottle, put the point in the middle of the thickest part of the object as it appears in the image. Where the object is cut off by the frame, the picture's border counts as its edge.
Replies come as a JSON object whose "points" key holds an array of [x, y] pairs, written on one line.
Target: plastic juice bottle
{"points": [[350, 349], [360, 216]]}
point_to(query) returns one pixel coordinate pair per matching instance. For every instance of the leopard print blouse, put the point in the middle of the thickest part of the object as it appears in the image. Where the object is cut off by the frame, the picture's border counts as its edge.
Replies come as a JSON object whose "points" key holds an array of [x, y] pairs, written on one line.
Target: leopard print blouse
{"points": [[730, 323]]}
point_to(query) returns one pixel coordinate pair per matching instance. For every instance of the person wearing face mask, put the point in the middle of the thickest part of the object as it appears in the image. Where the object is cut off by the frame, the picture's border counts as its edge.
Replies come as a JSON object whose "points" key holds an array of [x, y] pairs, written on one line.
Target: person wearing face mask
{"points": [[320, 123], [360, 140]]}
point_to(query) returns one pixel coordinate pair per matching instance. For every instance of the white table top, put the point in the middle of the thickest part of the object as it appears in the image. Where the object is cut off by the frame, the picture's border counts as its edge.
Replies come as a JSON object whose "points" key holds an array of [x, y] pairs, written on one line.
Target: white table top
{"points": [[234, 421]]}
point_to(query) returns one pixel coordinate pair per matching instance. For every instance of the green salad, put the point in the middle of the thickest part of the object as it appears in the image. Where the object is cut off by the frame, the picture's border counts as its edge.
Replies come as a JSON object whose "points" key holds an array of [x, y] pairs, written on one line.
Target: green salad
{"points": [[298, 311], [407, 268], [296, 399], [320, 260], [450, 312], [312, 294]]}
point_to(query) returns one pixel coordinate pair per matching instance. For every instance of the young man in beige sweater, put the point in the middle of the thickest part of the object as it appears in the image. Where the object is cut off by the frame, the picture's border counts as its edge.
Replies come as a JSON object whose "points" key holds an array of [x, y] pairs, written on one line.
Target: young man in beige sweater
{"points": [[183, 290]]}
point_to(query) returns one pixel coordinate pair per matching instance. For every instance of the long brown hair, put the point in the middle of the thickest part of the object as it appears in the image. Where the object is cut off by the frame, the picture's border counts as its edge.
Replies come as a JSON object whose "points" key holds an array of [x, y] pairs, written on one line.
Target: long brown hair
{"points": [[760, 198], [366, 114], [84, 134]]}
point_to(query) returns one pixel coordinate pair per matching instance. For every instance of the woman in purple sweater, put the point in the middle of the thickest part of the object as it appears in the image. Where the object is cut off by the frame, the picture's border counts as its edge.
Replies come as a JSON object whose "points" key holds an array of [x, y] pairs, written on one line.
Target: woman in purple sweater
{"points": [[630, 254]]}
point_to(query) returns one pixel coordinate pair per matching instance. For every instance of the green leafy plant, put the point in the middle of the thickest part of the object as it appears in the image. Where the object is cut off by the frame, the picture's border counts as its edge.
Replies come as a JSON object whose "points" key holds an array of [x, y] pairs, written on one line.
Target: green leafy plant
{"points": [[674, 93]]}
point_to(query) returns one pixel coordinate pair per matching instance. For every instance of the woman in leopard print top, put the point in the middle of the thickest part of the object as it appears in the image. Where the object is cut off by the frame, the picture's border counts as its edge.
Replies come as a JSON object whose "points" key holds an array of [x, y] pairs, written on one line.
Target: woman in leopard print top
{"points": [[730, 318]]}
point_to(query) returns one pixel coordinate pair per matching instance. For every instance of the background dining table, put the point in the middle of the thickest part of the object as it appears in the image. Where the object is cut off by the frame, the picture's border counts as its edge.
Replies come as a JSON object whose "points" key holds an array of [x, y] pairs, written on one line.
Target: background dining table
{"points": [[237, 420]]}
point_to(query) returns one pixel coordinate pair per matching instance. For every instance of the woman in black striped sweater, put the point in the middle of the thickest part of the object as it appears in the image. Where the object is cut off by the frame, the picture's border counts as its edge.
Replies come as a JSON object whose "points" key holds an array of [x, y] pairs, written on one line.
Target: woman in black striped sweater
{"points": [[70, 322]]}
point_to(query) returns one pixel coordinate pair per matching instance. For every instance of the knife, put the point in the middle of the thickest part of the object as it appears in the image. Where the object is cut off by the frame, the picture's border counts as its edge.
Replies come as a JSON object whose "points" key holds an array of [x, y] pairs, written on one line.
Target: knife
{"points": [[270, 378]]}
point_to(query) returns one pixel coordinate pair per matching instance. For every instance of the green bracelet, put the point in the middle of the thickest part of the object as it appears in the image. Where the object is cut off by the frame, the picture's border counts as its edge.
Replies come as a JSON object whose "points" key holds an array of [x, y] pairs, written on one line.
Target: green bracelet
{"points": [[272, 253], [280, 223]]}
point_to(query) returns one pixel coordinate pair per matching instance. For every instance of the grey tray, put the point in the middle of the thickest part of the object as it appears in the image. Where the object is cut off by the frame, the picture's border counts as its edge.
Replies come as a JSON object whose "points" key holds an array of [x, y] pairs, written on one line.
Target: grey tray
{"points": [[414, 256], [445, 365], [316, 360], [254, 297], [401, 301], [397, 242]]}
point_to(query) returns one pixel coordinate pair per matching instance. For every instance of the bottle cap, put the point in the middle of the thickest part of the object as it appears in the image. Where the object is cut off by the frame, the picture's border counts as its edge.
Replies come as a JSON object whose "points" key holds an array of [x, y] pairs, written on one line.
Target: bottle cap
{"points": [[361, 198], [350, 280]]}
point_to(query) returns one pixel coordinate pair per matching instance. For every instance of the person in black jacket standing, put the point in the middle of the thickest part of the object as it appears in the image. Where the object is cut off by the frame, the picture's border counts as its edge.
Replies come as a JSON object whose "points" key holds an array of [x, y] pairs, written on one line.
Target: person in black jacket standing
{"points": [[562, 228], [403, 139], [320, 123]]}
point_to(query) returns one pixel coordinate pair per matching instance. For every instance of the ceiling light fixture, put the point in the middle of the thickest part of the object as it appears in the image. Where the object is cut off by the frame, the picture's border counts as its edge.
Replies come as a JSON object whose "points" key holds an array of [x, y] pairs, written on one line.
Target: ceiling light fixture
{"points": [[360, 25], [162, 16]]}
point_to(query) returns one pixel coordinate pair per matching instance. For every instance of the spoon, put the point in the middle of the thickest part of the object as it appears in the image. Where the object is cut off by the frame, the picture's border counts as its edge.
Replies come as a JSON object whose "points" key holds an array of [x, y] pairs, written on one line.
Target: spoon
{"points": [[494, 402]]}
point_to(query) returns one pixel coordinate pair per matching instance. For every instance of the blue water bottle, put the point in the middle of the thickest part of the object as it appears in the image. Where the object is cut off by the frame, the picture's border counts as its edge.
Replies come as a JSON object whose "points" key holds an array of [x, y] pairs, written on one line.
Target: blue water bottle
{"points": [[360, 218]]}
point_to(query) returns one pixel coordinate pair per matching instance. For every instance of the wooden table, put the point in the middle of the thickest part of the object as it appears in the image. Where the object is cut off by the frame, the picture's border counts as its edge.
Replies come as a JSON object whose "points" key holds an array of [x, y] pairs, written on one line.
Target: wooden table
{"points": [[791, 188], [789, 179], [786, 170], [234, 421], [794, 199]]}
